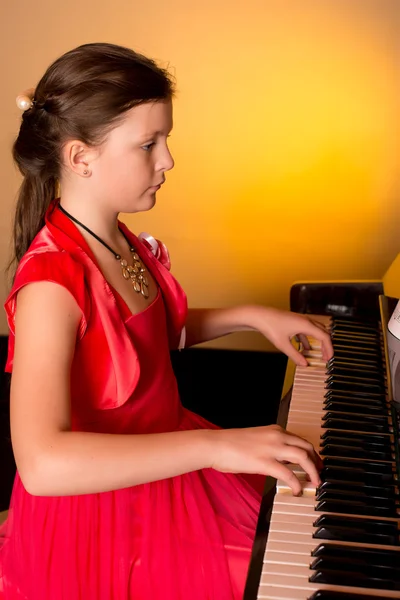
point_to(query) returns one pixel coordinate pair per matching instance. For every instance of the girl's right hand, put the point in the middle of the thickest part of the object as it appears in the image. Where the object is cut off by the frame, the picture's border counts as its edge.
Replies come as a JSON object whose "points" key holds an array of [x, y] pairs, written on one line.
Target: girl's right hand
{"points": [[263, 450]]}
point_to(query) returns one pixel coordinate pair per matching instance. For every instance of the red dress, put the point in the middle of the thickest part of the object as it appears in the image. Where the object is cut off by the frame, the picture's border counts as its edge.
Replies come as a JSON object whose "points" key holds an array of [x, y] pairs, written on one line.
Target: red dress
{"points": [[185, 537]]}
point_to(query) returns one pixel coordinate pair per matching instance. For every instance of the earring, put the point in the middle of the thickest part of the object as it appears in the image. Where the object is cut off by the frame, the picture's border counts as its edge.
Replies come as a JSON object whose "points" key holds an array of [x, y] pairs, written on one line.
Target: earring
{"points": [[86, 172]]}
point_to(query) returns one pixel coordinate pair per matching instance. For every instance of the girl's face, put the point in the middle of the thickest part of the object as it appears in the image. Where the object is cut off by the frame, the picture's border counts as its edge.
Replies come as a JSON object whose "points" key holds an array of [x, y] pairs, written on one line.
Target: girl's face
{"points": [[130, 165]]}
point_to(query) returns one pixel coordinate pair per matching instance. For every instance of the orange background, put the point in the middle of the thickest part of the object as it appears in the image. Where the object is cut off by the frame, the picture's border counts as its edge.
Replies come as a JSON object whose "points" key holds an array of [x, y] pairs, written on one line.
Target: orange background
{"points": [[286, 135]]}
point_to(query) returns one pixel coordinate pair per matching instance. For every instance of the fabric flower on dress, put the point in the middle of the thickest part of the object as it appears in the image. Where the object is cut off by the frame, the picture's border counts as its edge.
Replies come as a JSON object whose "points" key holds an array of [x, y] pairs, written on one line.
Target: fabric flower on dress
{"points": [[157, 248]]}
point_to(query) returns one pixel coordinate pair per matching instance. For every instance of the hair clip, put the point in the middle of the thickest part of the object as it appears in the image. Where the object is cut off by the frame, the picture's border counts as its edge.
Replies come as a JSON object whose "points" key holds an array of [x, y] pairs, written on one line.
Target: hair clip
{"points": [[25, 101]]}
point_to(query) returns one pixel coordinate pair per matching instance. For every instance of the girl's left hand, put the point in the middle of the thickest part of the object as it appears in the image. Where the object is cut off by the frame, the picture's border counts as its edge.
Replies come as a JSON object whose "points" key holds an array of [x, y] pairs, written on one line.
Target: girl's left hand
{"points": [[280, 326]]}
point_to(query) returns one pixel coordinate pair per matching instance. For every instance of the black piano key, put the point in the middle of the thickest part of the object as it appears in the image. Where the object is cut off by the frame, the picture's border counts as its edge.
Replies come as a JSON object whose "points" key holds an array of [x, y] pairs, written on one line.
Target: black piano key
{"points": [[350, 324], [346, 534], [361, 357], [339, 374], [377, 396], [344, 424], [366, 466], [357, 566], [368, 493], [334, 363], [332, 577], [354, 435], [358, 442], [361, 381], [351, 398], [356, 488], [356, 507], [367, 352], [381, 419], [336, 388], [332, 375], [368, 525], [363, 409], [372, 405], [354, 360], [355, 374], [329, 595], [390, 558], [348, 340], [329, 473], [362, 420], [368, 334], [355, 452], [334, 383]]}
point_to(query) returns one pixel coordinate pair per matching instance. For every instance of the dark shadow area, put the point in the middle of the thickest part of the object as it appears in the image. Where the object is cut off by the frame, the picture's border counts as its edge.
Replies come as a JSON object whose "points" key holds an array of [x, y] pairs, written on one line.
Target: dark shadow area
{"points": [[231, 388]]}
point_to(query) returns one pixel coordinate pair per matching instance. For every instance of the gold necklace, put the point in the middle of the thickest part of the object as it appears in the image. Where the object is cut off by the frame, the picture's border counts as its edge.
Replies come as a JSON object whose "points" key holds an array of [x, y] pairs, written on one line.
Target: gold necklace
{"points": [[135, 273]]}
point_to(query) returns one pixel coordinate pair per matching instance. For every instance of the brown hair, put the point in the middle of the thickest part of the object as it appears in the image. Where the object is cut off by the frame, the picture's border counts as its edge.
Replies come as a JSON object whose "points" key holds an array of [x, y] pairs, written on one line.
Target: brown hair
{"points": [[82, 95]]}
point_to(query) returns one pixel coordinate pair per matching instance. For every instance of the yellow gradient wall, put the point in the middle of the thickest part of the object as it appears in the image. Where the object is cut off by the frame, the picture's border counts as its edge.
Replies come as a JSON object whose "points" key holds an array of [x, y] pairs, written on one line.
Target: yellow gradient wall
{"points": [[286, 135]]}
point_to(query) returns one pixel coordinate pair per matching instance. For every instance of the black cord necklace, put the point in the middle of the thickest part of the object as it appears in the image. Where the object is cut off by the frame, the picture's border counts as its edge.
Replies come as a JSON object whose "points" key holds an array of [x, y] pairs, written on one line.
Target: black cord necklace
{"points": [[135, 273]]}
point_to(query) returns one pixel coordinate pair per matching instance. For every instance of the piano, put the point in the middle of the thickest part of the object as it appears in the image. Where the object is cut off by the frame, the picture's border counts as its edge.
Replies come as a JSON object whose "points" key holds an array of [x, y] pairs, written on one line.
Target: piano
{"points": [[340, 541]]}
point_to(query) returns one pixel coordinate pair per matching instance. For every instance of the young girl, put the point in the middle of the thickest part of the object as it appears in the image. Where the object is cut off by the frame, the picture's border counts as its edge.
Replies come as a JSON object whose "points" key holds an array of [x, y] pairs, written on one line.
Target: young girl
{"points": [[120, 492]]}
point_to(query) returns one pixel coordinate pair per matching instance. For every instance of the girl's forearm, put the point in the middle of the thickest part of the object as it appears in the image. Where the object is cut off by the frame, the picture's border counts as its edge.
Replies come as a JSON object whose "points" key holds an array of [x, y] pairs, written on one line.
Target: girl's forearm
{"points": [[84, 463], [205, 324]]}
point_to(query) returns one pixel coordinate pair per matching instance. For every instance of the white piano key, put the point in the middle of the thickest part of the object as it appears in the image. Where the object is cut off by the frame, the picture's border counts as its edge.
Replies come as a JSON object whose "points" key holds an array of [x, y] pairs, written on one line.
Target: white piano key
{"points": [[306, 544], [288, 558]]}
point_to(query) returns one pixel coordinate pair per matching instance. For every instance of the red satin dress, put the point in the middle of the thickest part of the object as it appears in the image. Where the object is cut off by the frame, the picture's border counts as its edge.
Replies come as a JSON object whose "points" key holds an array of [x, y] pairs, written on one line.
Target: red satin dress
{"points": [[187, 537]]}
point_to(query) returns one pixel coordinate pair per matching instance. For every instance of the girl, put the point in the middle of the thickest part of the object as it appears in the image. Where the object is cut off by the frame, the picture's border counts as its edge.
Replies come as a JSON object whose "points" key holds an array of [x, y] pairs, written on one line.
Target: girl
{"points": [[120, 492]]}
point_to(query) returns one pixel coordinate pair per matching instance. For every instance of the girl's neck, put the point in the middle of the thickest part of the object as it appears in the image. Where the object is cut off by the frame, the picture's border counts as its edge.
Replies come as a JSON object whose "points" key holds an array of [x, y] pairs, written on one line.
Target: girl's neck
{"points": [[101, 221]]}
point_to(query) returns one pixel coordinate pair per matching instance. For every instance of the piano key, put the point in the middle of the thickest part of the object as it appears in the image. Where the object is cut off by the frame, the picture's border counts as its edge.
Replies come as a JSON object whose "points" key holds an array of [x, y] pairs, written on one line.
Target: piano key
{"points": [[343, 383], [330, 473], [368, 492], [353, 360], [365, 555], [335, 362], [356, 529], [354, 579], [357, 435], [353, 399], [358, 567], [373, 395], [363, 420], [356, 507], [358, 465], [354, 425], [283, 587], [355, 452], [368, 446], [356, 408], [326, 595]]}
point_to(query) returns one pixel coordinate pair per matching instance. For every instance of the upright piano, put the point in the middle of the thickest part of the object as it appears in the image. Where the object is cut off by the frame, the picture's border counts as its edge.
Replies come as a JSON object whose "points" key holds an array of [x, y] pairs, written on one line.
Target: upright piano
{"points": [[340, 541]]}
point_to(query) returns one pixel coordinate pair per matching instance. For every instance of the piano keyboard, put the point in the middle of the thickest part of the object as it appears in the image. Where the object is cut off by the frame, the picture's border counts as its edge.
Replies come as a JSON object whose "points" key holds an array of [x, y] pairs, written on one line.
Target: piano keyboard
{"points": [[342, 540]]}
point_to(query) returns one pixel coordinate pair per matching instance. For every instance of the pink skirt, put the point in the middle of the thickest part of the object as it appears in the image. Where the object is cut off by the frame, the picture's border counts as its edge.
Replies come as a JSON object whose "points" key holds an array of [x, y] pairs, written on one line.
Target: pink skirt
{"points": [[186, 537]]}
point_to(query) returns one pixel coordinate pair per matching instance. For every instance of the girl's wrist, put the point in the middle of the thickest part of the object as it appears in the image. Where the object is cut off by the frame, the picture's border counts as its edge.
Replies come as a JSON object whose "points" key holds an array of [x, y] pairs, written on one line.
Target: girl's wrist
{"points": [[253, 317]]}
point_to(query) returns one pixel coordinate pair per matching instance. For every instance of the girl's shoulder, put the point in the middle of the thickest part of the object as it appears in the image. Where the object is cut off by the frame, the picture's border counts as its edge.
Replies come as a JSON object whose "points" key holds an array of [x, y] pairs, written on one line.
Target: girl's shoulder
{"points": [[49, 263]]}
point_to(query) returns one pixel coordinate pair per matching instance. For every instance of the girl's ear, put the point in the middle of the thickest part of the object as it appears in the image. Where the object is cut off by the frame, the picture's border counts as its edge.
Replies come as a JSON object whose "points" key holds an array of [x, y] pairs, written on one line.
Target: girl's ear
{"points": [[78, 157]]}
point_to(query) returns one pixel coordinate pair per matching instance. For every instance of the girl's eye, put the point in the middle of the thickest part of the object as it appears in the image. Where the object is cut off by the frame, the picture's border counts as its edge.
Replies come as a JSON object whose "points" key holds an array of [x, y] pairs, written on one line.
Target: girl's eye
{"points": [[148, 147]]}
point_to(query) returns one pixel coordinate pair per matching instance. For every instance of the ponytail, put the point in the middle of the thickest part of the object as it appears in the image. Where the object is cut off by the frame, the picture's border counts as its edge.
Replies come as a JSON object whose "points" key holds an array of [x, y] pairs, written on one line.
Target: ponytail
{"points": [[33, 201]]}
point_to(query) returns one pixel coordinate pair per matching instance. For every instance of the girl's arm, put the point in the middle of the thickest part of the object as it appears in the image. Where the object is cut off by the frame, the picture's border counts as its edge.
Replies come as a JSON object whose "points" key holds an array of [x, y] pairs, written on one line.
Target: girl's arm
{"points": [[52, 460], [279, 326]]}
